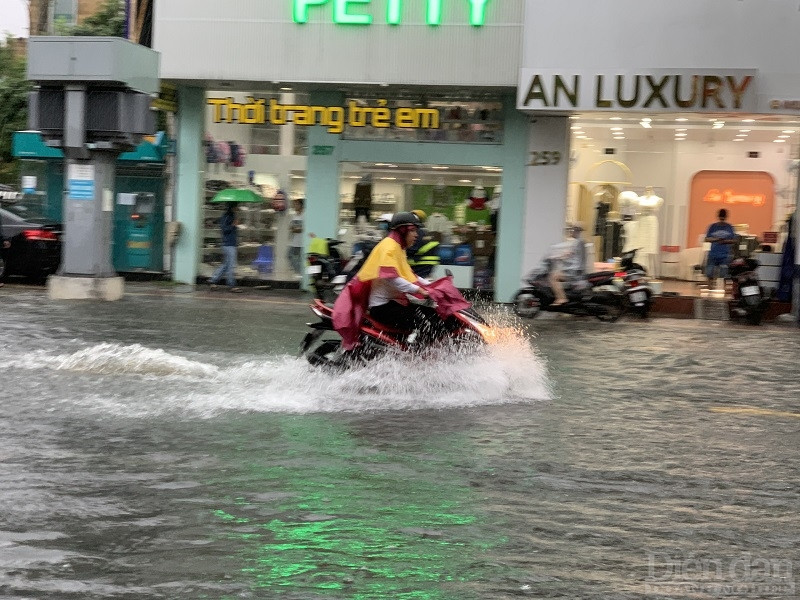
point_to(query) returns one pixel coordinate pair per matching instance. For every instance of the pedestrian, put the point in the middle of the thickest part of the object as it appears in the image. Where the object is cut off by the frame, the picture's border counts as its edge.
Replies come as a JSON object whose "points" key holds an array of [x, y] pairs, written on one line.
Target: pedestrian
{"points": [[228, 226], [4, 245], [722, 237], [295, 251]]}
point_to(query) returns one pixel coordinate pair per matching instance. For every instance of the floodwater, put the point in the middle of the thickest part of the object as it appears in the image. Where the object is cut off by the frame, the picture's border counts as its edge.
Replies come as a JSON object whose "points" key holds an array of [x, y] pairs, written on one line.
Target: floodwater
{"points": [[171, 446]]}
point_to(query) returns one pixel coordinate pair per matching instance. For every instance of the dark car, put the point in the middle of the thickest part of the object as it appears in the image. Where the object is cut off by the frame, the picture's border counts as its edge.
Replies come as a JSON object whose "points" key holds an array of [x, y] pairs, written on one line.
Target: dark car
{"points": [[35, 250]]}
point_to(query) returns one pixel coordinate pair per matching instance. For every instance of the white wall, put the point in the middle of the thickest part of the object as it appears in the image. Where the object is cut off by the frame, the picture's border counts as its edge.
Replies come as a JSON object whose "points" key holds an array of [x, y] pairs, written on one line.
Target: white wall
{"points": [[257, 41], [621, 35]]}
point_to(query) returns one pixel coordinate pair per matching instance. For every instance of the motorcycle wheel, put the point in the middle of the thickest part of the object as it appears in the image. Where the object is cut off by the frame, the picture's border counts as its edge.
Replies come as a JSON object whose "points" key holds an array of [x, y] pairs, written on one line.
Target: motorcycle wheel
{"points": [[527, 305], [611, 312], [319, 356]]}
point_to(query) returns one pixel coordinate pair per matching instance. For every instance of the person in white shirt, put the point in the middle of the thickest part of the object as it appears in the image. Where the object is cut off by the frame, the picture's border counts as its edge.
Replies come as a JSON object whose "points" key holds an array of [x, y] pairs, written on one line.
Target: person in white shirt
{"points": [[568, 263]]}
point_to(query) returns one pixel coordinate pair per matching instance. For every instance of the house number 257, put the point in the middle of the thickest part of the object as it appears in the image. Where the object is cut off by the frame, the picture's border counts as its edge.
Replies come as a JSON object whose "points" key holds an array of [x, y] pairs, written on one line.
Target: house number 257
{"points": [[545, 157]]}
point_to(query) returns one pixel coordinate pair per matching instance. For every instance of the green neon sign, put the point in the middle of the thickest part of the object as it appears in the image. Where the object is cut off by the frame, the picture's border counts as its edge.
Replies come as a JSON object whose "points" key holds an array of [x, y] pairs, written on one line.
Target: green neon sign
{"points": [[352, 12]]}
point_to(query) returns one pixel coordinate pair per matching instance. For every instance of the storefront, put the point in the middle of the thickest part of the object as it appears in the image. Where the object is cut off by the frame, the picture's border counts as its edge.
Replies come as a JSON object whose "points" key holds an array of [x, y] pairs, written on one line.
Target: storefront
{"points": [[139, 193], [668, 123], [413, 109], [649, 126]]}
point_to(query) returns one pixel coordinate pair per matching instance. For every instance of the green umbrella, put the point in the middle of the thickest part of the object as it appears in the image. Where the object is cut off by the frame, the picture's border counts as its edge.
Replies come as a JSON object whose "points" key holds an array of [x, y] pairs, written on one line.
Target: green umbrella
{"points": [[236, 195]]}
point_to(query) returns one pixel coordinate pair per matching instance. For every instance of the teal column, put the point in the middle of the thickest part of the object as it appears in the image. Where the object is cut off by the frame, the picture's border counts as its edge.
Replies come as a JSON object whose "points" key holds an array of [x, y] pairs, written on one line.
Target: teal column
{"points": [[511, 220], [189, 183], [322, 175]]}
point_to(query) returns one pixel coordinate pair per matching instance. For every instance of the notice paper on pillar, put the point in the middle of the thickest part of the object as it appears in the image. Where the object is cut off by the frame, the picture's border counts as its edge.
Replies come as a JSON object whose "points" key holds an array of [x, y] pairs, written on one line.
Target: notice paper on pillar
{"points": [[80, 182]]}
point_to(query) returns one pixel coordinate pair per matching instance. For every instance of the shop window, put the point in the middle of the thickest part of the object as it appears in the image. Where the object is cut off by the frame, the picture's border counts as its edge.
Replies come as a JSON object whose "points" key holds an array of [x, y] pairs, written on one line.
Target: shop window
{"points": [[265, 139]]}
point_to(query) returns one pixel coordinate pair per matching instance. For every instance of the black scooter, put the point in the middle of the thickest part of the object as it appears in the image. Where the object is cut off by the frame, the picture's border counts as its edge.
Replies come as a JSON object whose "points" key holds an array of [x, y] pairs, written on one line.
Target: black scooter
{"points": [[593, 295], [324, 271], [748, 302]]}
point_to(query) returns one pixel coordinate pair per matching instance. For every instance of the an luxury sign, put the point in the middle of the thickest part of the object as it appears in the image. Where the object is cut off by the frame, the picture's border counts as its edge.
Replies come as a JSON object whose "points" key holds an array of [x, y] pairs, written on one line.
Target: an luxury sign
{"points": [[361, 12], [653, 91]]}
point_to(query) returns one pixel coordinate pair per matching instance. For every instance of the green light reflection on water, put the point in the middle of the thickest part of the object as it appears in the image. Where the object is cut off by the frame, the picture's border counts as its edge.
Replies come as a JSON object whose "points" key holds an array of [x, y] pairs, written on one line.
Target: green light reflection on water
{"points": [[381, 524]]}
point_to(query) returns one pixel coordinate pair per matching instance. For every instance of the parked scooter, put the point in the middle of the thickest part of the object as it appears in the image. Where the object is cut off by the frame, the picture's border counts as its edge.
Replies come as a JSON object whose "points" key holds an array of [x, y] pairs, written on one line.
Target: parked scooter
{"points": [[635, 286], [325, 264], [748, 302], [593, 295]]}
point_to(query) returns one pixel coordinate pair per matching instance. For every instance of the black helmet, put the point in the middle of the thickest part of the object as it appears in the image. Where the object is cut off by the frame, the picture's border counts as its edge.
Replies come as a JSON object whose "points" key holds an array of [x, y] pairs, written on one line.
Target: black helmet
{"points": [[404, 218]]}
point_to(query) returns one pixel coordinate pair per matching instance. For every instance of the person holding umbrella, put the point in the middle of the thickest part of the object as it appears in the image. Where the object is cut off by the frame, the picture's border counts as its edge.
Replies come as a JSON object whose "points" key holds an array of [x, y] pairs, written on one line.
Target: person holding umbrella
{"points": [[228, 225]]}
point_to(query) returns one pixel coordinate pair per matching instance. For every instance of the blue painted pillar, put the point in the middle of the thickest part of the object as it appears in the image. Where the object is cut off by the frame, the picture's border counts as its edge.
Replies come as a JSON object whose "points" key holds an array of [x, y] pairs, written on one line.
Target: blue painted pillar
{"points": [[511, 222], [189, 183], [322, 176]]}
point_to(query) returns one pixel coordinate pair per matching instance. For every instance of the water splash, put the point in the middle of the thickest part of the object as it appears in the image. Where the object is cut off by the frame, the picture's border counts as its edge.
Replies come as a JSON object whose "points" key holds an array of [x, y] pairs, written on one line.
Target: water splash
{"points": [[138, 381]]}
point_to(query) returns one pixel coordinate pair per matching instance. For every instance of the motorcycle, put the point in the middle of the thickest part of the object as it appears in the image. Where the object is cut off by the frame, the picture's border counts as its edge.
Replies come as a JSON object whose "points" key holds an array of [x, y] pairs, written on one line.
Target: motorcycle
{"points": [[325, 264], [594, 295], [637, 291], [748, 300], [462, 328]]}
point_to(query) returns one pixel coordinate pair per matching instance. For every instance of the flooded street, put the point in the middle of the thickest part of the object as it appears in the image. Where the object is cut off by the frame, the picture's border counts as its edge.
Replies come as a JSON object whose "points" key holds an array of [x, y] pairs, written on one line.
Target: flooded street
{"points": [[171, 446]]}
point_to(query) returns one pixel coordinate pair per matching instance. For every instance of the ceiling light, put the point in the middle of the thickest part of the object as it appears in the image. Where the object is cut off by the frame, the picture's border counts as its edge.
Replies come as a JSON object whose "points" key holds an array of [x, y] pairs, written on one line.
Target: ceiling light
{"points": [[573, 116], [582, 137], [681, 129], [741, 135], [739, 140], [681, 134], [788, 131], [440, 168], [682, 139], [464, 181], [748, 120], [615, 118], [745, 130], [718, 125], [575, 127], [286, 89], [681, 119], [388, 178], [779, 141], [416, 179], [647, 119], [783, 137], [579, 132], [645, 124], [616, 129]]}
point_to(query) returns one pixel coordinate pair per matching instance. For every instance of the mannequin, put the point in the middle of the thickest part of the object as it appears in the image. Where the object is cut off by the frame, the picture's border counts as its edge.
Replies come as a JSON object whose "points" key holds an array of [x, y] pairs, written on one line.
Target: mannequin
{"points": [[628, 203], [649, 204], [478, 197]]}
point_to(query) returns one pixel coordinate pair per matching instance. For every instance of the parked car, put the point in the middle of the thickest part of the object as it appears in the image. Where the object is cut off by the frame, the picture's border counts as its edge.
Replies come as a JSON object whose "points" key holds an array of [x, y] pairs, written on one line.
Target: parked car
{"points": [[35, 250]]}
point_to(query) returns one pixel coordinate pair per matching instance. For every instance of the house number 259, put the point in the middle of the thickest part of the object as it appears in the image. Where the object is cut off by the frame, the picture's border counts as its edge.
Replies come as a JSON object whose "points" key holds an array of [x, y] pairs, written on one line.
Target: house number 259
{"points": [[545, 157]]}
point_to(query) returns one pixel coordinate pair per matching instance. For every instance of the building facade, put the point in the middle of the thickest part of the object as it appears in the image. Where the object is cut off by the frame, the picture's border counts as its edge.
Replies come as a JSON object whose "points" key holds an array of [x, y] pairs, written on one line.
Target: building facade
{"points": [[473, 110]]}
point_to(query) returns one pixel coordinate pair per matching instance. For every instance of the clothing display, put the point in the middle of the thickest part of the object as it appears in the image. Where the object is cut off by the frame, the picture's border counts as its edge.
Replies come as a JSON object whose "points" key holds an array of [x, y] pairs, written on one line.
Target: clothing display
{"points": [[602, 209], [630, 231], [362, 198], [477, 198]]}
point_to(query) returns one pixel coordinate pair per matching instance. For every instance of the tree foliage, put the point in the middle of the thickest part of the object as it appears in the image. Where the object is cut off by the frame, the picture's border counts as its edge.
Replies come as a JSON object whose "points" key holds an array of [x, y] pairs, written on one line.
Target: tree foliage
{"points": [[108, 21], [14, 88]]}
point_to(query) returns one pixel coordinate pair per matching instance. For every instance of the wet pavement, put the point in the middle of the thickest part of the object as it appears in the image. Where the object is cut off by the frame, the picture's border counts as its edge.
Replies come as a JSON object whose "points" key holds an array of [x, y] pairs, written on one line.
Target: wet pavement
{"points": [[171, 445]]}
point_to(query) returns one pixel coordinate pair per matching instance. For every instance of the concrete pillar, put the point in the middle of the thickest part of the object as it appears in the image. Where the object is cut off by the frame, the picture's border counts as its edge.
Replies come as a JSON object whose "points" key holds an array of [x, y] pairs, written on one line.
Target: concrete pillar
{"points": [[511, 227], [547, 181], [189, 184]]}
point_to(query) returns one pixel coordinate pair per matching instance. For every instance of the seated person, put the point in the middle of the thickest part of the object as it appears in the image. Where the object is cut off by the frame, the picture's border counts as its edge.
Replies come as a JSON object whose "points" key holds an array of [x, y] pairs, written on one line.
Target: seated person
{"points": [[568, 262], [381, 284], [423, 254]]}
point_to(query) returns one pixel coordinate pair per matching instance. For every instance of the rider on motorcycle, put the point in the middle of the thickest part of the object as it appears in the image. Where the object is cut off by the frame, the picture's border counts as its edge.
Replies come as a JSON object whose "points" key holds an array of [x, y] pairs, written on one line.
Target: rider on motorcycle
{"points": [[423, 255], [567, 262], [381, 284]]}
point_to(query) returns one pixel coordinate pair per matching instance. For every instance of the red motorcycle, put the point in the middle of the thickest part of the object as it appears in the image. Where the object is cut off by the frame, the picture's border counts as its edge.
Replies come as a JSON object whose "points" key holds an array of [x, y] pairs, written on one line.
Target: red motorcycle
{"points": [[464, 327]]}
